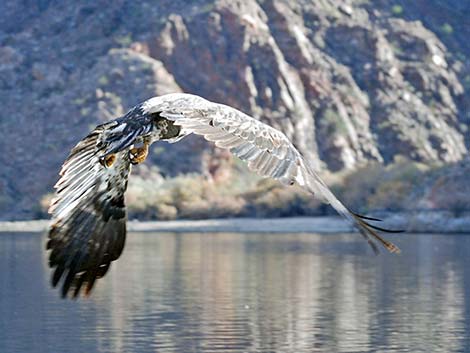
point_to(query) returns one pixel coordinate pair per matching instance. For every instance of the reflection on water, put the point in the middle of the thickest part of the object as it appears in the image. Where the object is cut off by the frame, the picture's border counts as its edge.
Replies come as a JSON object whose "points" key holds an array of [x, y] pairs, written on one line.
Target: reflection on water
{"points": [[245, 293]]}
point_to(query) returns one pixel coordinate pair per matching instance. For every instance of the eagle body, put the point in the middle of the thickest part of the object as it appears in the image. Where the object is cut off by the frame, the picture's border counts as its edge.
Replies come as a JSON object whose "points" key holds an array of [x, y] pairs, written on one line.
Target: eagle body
{"points": [[88, 227]]}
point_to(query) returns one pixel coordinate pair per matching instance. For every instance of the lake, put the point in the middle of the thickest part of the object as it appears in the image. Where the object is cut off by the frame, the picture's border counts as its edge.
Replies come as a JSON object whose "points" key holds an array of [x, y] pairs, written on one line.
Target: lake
{"points": [[245, 293]]}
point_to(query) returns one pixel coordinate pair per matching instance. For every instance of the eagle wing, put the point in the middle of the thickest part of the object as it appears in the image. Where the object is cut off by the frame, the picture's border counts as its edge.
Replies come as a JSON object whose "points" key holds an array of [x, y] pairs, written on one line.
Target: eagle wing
{"points": [[88, 227], [267, 151]]}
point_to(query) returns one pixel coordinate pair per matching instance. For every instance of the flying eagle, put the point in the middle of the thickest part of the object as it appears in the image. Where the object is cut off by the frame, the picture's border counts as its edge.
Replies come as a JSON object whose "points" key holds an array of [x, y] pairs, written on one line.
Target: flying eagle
{"points": [[88, 228]]}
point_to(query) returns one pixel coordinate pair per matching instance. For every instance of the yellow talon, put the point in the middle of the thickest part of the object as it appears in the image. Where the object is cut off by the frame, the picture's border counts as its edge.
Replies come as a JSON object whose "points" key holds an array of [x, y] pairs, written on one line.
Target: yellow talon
{"points": [[109, 160], [139, 154]]}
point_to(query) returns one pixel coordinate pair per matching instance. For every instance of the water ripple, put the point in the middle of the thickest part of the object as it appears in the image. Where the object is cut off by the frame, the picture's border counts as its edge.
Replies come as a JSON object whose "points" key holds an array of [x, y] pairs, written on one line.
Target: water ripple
{"points": [[245, 293]]}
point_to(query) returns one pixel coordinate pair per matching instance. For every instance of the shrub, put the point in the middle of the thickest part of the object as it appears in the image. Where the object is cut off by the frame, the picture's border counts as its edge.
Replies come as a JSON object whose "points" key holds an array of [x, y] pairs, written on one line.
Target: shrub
{"points": [[382, 187], [271, 199], [451, 190], [357, 187], [401, 185]]}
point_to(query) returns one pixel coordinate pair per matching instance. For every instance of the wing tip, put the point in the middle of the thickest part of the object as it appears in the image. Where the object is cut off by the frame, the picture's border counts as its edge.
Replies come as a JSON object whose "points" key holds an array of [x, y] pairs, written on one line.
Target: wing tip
{"points": [[369, 230]]}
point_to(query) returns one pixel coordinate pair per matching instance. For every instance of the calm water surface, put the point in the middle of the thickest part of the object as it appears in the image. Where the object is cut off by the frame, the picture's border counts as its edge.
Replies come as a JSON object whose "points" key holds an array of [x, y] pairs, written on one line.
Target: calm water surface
{"points": [[245, 293]]}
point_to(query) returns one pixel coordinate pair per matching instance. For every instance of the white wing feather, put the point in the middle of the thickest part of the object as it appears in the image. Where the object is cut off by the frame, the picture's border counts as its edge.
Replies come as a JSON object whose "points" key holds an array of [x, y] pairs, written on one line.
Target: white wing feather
{"points": [[267, 151]]}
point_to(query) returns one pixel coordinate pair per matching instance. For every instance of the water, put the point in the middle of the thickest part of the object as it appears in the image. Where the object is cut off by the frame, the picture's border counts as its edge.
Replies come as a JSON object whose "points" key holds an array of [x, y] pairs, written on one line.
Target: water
{"points": [[245, 293]]}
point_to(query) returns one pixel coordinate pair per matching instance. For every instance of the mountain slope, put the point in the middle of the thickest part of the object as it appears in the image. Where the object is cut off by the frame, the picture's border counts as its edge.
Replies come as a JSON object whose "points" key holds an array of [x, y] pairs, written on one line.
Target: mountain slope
{"points": [[348, 82]]}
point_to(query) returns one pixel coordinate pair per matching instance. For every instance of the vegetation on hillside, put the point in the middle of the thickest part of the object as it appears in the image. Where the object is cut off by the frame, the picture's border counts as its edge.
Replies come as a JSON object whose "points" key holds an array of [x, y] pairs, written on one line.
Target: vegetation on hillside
{"points": [[400, 186]]}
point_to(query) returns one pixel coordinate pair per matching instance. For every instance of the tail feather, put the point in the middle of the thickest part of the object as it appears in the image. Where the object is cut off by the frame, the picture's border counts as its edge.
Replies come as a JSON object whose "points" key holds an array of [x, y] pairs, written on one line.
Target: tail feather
{"points": [[384, 229], [365, 217], [368, 231]]}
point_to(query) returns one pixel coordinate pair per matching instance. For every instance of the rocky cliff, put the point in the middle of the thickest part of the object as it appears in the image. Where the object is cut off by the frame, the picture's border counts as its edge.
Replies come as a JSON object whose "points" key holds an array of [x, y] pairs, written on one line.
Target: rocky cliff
{"points": [[347, 81]]}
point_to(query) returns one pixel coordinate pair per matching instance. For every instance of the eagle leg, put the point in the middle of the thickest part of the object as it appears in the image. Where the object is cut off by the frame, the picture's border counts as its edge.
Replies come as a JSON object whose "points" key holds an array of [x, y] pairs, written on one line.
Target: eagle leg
{"points": [[138, 154]]}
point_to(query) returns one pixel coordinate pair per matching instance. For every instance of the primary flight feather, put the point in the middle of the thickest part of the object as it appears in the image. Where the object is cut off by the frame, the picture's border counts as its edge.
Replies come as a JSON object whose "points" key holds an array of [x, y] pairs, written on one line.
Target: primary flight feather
{"points": [[88, 228]]}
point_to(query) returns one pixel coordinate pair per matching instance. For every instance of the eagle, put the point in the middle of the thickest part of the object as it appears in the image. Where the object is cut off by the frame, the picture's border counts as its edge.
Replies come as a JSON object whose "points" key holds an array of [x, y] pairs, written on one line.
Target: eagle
{"points": [[88, 212]]}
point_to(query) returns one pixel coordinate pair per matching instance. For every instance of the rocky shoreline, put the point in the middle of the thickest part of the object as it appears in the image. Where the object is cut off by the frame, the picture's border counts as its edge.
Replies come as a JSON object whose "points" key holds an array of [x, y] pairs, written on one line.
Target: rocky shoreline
{"points": [[412, 222]]}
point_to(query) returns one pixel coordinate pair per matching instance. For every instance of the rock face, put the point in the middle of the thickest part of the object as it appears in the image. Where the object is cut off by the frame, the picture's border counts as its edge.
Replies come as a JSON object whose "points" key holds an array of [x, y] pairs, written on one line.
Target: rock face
{"points": [[347, 81]]}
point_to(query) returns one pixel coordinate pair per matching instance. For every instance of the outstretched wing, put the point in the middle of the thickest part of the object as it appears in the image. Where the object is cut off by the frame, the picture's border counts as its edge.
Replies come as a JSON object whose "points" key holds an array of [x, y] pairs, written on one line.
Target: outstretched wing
{"points": [[267, 151], [88, 228]]}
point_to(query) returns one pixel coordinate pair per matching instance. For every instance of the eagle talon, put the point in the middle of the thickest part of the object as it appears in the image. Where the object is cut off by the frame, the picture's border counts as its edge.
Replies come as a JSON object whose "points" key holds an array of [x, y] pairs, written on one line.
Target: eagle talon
{"points": [[138, 154], [108, 160]]}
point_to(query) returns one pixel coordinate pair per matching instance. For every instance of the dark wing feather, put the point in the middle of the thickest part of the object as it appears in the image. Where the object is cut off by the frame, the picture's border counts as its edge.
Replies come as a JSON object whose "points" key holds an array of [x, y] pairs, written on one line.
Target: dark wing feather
{"points": [[88, 228], [266, 150]]}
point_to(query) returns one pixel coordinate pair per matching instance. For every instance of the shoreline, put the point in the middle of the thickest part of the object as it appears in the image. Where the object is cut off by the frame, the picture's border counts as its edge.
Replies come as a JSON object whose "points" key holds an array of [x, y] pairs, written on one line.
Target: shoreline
{"points": [[413, 222], [327, 224]]}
